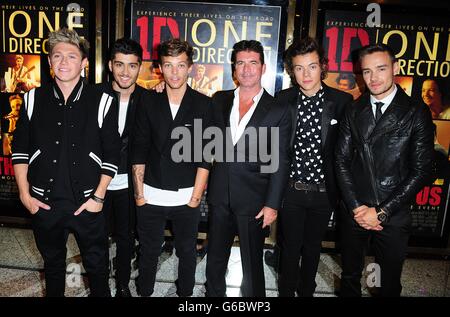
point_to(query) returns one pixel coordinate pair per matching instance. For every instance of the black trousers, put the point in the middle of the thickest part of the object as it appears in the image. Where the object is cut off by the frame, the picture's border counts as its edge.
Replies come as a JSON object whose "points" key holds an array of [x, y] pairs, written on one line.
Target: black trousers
{"points": [[151, 221], [389, 245], [303, 221], [223, 227], [117, 212], [51, 229]]}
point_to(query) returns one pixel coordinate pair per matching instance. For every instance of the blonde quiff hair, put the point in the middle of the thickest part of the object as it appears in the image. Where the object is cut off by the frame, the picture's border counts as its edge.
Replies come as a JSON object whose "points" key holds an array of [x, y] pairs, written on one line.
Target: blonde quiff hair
{"points": [[65, 35]]}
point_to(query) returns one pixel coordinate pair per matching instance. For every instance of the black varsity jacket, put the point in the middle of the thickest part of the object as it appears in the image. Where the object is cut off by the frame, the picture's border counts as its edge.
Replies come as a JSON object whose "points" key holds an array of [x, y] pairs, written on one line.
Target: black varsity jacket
{"points": [[92, 138]]}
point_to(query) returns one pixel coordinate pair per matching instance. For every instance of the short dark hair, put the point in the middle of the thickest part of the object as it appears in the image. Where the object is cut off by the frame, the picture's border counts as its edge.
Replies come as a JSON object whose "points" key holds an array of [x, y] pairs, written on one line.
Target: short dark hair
{"points": [[370, 49], [244, 46], [347, 76], [302, 47], [175, 47], [126, 46]]}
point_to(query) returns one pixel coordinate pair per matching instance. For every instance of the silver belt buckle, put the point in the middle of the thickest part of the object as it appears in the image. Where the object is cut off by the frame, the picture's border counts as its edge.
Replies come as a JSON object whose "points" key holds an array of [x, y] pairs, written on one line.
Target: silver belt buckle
{"points": [[300, 186]]}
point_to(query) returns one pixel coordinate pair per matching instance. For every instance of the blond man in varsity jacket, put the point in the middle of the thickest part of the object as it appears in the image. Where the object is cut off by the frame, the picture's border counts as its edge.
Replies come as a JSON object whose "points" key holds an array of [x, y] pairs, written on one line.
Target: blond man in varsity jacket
{"points": [[66, 149]]}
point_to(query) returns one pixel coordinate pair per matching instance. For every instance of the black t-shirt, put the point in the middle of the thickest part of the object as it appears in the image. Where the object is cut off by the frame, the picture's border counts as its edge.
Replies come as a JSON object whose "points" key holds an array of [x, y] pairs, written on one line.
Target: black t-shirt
{"points": [[63, 190]]}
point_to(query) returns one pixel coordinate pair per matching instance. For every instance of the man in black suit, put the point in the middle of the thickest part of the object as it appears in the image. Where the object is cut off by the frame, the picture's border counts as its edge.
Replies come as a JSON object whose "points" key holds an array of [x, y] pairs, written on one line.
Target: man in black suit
{"points": [[312, 193], [383, 156], [166, 185], [245, 195]]}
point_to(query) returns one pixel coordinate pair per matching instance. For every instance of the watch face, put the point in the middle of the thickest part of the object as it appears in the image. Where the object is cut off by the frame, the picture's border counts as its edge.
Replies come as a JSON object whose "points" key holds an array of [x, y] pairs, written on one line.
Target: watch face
{"points": [[382, 217]]}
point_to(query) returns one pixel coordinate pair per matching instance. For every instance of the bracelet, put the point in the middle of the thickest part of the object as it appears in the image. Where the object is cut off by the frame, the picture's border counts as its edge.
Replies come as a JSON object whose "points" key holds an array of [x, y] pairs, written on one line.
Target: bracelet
{"points": [[138, 196], [97, 199]]}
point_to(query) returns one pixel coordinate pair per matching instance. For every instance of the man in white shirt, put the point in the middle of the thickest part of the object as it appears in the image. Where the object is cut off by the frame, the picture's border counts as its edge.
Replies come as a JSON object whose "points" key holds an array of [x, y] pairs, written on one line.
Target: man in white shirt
{"points": [[244, 197]]}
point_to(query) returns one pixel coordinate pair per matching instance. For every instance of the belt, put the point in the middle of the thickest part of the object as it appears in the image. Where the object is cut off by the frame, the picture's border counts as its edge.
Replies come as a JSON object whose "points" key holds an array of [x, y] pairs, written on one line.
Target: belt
{"points": [[308, 187]]}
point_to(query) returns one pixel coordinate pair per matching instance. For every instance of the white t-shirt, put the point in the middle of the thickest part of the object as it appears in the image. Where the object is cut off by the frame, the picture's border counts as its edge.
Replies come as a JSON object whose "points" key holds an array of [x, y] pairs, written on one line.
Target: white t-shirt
{"points": [[168, 198], [120, 181]]}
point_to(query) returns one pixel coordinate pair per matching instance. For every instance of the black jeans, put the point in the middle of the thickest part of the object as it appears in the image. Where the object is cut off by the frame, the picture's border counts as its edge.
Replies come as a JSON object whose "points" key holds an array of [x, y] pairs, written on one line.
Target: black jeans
{"points": [[390, 247], [117, 212], [51, 229], [151, 221], [303, 221]]}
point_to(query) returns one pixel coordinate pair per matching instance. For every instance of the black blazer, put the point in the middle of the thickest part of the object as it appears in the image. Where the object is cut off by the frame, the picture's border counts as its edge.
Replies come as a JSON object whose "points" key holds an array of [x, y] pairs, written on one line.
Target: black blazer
{"points": [[152, 143], [241, 185], [333, 110]]}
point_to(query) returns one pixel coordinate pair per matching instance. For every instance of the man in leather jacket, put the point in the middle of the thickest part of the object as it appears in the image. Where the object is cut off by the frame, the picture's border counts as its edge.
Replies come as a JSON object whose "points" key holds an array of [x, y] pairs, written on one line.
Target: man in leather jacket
{"points": [[383, 159]]}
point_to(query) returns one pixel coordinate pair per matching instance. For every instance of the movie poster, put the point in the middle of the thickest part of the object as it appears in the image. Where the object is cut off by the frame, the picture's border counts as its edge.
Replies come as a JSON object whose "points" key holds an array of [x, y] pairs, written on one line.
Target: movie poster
{"points": [[24, 28], [422, 46], [212, 29]]}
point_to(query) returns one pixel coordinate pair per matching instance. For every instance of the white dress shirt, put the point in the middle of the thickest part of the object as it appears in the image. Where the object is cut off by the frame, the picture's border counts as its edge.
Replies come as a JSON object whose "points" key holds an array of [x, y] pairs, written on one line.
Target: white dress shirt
{"points": [[386, 100], [237, 127]]}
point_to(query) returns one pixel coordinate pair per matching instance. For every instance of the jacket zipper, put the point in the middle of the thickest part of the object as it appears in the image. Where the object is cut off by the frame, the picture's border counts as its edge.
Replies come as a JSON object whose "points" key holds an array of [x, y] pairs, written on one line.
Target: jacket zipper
{"points": [[372, 176]]}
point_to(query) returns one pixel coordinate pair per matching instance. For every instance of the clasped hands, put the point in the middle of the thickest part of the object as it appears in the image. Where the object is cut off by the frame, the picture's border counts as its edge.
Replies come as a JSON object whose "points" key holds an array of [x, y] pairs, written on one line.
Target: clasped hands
{"points": [[367, 218]]}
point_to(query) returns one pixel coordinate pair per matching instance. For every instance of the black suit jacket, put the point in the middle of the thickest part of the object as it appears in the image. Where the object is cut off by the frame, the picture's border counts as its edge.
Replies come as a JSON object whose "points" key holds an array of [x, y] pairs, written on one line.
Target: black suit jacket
{"points": [[242, 185], [333, 110], [153, 142]]}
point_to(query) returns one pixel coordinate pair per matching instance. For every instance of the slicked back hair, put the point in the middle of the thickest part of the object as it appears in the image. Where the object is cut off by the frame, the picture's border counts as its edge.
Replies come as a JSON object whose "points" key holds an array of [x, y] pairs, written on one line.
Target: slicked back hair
{"points": [[127, 47]]}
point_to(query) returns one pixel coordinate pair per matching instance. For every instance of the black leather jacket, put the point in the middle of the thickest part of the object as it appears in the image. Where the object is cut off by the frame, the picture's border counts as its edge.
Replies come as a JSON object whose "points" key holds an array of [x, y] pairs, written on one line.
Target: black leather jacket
{"points": [[387, 163]]}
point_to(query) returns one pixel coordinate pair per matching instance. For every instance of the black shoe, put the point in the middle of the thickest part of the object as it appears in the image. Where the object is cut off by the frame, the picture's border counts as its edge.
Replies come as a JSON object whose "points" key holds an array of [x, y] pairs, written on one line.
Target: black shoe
{"points": [[271, 259], [181, 294], [123, 292]]}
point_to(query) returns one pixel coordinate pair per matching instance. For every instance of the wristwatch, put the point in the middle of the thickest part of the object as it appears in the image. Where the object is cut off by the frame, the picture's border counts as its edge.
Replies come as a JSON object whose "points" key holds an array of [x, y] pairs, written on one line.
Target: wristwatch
{"points": [[381, 215]]}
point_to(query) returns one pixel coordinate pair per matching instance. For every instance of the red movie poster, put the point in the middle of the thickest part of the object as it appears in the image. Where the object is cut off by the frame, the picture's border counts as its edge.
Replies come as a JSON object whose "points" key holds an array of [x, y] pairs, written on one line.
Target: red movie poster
{"points": [[212, 29]]}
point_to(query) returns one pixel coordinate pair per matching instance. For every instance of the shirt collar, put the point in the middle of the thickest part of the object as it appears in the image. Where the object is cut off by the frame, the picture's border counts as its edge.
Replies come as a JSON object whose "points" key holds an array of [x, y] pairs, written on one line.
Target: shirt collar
{"points": [[386, 100], [255, 99], [74, 96], [318, 94]]}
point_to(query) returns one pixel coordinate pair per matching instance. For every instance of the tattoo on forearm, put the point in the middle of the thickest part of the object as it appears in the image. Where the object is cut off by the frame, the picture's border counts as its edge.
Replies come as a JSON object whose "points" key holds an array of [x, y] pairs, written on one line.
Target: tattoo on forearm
{"points": [[138, 177]]}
